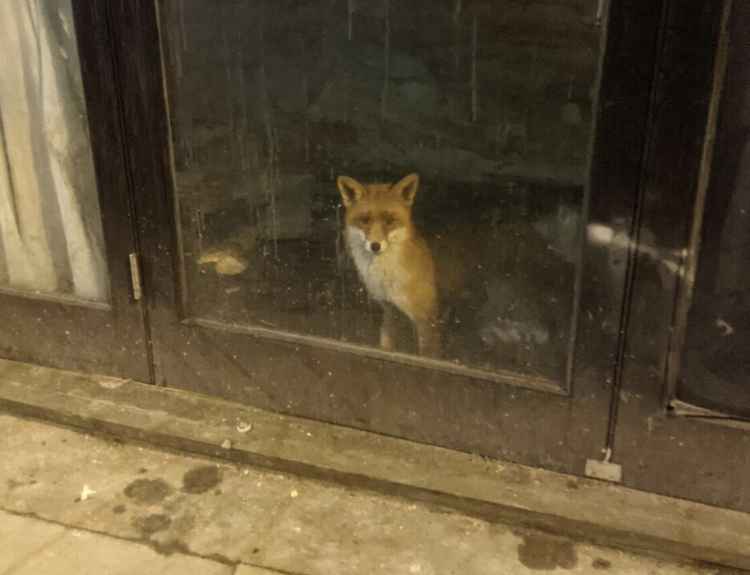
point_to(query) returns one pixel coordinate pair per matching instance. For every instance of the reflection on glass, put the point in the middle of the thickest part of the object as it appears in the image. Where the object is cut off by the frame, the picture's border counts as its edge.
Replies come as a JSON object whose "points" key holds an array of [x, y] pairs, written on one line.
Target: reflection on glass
{"points": [[401, 175], [50, 227]]}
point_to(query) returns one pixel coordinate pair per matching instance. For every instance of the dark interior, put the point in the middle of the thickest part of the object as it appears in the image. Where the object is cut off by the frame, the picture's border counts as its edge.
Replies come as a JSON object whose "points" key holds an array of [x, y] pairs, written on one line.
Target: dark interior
{"points": [[716, 366]]}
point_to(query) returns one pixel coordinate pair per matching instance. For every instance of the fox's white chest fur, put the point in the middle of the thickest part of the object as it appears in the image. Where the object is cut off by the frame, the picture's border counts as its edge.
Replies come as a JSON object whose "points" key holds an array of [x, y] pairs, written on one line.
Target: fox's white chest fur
{"points": [[381, 273]]}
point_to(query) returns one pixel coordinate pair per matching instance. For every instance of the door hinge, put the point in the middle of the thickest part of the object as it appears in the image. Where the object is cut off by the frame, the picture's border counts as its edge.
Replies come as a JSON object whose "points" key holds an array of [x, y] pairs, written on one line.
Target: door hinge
{"points": [[135, 276]]}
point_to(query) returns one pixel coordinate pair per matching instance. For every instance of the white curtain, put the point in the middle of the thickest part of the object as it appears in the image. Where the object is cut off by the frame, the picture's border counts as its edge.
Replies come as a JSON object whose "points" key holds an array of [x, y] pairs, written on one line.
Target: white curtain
{"points": [[50, 228]]}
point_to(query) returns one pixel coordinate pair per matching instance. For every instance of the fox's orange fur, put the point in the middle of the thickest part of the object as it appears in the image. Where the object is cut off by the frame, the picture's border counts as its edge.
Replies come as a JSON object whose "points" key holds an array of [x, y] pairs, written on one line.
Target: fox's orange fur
{"points": [[392, 258]]}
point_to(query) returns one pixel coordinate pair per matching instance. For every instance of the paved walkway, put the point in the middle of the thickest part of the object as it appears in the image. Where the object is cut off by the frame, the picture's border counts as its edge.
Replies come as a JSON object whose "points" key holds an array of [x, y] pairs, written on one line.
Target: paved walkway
{"points": [[34, 546], [71, 504]]}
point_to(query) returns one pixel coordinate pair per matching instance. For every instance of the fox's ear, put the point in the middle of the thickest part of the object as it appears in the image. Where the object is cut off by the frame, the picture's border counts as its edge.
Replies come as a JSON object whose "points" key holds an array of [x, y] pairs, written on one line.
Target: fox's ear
{"points": [[407, 188], [351, 190]]}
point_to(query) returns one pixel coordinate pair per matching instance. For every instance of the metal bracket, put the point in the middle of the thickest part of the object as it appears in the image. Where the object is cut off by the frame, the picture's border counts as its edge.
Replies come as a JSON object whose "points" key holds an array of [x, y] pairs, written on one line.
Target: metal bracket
{"points": [[604, 470], [135, 276]]}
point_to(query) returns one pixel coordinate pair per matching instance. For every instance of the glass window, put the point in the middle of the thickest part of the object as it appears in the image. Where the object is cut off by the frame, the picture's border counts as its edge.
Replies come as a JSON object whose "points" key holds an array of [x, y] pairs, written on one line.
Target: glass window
{"points": [[406, 177], [50, 227]]}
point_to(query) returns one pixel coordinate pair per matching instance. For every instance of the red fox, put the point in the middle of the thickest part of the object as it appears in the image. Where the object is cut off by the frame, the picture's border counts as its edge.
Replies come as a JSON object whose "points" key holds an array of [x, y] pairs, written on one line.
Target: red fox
{"points": [[392, 258]]}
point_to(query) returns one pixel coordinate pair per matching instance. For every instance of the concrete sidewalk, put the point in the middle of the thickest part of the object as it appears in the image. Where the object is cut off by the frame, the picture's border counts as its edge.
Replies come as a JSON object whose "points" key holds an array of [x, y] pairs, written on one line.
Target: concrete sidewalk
{"points": [[77, 504], [43, 548]]}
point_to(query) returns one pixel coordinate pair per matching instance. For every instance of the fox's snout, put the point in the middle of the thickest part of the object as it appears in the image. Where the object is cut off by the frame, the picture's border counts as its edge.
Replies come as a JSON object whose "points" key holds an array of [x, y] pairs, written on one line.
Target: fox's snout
{"points": [[372, 240], [375, 238]]}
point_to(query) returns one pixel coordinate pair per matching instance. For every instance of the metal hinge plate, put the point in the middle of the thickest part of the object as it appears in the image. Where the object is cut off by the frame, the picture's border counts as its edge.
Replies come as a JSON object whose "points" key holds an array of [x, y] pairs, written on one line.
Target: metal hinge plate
{"points": [[135, 277], [604, 470]]}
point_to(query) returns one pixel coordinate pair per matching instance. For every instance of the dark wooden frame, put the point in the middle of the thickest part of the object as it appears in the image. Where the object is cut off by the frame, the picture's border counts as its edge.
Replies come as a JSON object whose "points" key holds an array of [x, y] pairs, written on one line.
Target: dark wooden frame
{"points": [[108, 338], [507, 421]]}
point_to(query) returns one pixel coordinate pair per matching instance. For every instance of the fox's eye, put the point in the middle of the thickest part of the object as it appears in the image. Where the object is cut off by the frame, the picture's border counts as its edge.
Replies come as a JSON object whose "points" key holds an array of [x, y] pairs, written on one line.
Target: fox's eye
{"points": [[365, 220], [389, 220]]}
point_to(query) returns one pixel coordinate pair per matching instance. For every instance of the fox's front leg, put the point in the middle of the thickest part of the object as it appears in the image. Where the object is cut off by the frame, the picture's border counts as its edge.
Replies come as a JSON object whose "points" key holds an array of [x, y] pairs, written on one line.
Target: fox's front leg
{"points": [[388, 327], [422, 309]]}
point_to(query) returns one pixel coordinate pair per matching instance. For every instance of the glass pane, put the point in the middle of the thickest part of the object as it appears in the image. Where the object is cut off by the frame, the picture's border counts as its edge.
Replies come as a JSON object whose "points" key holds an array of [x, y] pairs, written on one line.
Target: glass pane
{"points": [[407, 176], [50, 227], [717, 352]]}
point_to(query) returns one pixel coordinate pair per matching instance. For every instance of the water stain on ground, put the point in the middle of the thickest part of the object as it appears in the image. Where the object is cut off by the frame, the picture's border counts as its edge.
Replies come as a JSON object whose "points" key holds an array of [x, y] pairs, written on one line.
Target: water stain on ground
{"points": [[183, 524], [148, 491], [546, 553], [169, 547], [601, 564], [14, 484], [201, 479], [152, 523]]}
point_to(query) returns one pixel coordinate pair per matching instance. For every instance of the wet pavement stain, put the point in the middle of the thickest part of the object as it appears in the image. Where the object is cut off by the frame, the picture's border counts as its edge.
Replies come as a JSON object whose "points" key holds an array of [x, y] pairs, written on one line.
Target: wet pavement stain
{"points": [[147, 491], [152, 523], [546, 553], [201, 479], [14, 484], [169, 547], [183, 524], [601, 564]]}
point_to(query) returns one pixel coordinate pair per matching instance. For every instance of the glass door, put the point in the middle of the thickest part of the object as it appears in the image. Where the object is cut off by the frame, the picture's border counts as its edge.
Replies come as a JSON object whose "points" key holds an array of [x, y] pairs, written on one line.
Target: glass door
{"points": [[716, 360], [348, 178], [65, 230], [680, 425], [377, 213]]}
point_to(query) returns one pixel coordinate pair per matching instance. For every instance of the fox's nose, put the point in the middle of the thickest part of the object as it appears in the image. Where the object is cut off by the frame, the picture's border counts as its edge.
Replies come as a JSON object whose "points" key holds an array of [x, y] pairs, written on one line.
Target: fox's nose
{"points": [[375, 247]]}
